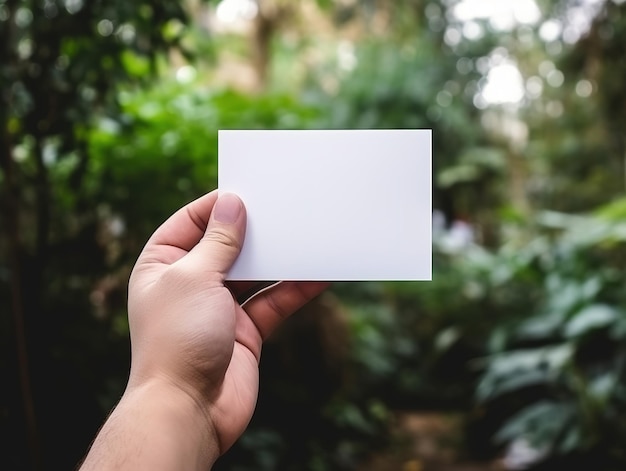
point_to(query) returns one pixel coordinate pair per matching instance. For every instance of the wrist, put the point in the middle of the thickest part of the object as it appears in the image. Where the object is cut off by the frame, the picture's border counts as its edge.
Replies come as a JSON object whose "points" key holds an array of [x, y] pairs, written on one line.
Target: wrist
{"points": [[156, 426], [180, 423]]}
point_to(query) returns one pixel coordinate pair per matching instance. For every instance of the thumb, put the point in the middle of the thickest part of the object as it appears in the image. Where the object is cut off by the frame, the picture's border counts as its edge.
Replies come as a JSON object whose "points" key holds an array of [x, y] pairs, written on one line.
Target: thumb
{"points": [[222, 241]]}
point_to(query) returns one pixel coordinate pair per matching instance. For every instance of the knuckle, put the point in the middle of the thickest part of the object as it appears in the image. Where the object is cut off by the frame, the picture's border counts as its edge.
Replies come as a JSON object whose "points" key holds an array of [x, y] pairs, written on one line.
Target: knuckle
{"points": [[277, 307], [221, 237]]}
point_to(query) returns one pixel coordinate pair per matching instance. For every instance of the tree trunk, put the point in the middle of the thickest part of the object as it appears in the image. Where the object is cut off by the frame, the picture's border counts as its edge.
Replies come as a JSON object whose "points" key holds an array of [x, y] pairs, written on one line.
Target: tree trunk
{"points": [[10, 232], [263, 32], [10, 206]]}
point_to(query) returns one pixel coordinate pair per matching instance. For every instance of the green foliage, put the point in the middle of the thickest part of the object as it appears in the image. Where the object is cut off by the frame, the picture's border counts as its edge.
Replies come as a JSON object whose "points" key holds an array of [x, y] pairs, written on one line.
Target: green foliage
{"points": [[558, 369], [61, 63], [535, 329], [166, 137]]}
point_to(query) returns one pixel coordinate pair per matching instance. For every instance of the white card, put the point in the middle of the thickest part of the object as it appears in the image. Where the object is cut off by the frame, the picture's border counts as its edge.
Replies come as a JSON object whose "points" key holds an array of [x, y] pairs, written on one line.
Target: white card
{"points": [[331, 204]]}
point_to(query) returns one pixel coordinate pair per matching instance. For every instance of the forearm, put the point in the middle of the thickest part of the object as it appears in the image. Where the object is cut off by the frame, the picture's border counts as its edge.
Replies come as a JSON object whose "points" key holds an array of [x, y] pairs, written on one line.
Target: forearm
{"points": [[156, 427]]}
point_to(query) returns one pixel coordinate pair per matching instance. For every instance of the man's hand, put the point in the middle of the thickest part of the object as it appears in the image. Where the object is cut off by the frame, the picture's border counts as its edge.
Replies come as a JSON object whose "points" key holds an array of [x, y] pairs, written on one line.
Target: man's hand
{"points": [[195, 348]]}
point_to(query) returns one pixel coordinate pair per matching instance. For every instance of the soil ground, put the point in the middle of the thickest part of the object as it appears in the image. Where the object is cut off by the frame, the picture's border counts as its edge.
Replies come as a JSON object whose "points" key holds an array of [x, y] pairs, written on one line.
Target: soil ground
{"points": [[427, 441]]}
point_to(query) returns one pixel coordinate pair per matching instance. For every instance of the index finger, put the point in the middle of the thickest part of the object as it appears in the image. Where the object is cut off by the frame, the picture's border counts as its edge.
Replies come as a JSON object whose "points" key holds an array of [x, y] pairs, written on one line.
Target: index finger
{"points": [[271, 306]]}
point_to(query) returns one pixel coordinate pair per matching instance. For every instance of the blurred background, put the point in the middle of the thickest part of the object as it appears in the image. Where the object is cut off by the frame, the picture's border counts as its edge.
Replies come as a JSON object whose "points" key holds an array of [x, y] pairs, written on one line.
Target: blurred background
{"points": [[512, 358]]}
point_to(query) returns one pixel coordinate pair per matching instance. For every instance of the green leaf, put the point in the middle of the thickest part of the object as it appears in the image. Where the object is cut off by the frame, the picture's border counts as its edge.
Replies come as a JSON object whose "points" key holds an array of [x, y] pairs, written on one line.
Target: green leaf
{"points": [[458, 174], [542, 326], [614, 211], [590, 318], [488, 390], [541, 423], [514, 370]]}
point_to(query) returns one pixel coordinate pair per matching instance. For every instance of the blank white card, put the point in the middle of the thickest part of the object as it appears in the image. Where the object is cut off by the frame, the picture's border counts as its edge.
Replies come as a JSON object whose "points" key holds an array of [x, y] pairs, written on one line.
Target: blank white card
{"points": [[331, 204]]}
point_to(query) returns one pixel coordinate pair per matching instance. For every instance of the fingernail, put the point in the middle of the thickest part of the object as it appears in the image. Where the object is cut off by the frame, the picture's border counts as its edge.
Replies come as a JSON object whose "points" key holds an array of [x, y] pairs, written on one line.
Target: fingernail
{"points": [[227, 208]]}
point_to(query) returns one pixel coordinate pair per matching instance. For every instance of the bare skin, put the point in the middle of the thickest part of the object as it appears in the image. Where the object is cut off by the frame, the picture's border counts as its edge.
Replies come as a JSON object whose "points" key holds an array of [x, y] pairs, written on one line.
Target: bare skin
{"points": [[194, 376]]}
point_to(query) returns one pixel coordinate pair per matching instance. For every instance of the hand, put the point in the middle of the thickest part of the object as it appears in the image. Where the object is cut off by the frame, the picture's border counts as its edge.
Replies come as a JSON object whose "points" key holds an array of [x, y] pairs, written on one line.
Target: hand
{"points": [[190, 337]]}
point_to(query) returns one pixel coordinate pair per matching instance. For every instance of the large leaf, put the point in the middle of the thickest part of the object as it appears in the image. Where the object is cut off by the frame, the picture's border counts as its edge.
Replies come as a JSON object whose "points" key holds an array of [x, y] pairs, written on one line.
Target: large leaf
{"points": [[541, 423], [590, 318], [511, 371]]}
